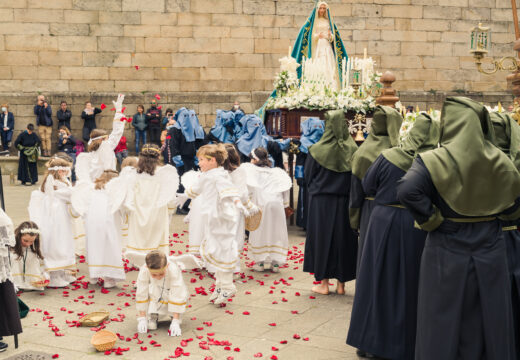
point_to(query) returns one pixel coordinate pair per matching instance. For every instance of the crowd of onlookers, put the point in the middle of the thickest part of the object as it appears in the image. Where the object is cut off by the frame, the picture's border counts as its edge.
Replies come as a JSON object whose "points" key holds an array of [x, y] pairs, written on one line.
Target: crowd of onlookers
{"points": [[150, 126]]}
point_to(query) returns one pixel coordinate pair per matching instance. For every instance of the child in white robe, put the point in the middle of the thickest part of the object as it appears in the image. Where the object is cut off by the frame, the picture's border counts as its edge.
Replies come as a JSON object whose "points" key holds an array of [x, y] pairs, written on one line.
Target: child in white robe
{"points": [[194, 220], [49, 209], [103, 230], [220, 213], [161, 293], [131, 162], [239, 178], [27, 266], [144, 194], [269, 189], [100, 156]]}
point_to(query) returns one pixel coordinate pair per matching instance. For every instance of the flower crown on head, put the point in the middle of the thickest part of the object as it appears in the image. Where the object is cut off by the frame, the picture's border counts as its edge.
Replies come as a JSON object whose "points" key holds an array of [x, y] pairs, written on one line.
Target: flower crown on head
{"points": [[30, 231]]}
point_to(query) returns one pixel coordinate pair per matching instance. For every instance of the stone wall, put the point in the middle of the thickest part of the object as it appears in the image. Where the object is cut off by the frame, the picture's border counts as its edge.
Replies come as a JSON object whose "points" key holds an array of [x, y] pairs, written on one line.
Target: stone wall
{"points": [[205, 54]]}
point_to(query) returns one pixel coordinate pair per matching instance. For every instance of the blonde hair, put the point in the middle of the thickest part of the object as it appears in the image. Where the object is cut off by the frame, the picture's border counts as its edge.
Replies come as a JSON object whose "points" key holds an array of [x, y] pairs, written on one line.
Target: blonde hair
{"points": [[156, 260], [104, 178], [129, 161], [95, 144], [66, 129], [55, 162], [216, 151], [6, 105]]}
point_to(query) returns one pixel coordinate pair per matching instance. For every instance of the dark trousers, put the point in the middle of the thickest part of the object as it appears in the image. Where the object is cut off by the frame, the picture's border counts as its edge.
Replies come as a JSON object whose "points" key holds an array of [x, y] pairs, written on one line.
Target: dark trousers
{"points": [[155, 134], [6, 138]]}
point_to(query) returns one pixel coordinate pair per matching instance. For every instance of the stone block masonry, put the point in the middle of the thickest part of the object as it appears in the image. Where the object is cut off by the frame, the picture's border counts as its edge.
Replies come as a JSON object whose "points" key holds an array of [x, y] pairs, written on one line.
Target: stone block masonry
{"points": [[206, 54]]}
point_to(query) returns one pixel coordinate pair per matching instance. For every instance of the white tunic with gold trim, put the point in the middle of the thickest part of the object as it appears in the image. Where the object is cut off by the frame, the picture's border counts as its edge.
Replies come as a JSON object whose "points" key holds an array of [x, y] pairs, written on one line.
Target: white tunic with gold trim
{"points": [[269, 189], [219, 217], [165, 296], [27, 270]]}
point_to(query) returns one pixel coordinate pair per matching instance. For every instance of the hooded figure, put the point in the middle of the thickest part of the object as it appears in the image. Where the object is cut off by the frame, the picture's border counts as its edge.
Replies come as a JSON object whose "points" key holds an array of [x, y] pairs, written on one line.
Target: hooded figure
{"points": [[253, 136], [383, 319], [331, 245], [224, 129], [384, 134], [311, 132], [457, 193], [188, 136], [507, 134]]}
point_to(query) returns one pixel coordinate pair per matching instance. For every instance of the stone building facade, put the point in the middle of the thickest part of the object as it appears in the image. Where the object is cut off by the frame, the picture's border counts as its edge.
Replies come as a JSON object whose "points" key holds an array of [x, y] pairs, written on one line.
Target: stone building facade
{"points": [[205, 54]]}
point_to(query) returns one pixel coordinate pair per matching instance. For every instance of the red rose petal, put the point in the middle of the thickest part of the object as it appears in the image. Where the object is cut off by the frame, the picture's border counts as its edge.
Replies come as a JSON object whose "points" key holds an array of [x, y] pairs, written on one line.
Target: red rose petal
{"points": [[159, 107], [257, 355], [283, 342], [144, 348], [55, 356], [274, 348], [306, 339], [296, 336], [103, 106], [246, 313], [157, 96], [236, 349], [274, 357], [136, 67], [272, 324]]}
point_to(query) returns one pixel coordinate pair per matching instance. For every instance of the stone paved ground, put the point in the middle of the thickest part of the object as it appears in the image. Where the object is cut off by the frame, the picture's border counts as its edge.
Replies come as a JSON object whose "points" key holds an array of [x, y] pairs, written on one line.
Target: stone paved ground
{"points": [[283, 300]]}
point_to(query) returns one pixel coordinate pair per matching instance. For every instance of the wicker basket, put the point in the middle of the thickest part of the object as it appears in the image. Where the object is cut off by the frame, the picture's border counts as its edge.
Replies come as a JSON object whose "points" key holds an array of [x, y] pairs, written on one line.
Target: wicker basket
{"points": [[94, 318], [103, 340], [253, 222]]}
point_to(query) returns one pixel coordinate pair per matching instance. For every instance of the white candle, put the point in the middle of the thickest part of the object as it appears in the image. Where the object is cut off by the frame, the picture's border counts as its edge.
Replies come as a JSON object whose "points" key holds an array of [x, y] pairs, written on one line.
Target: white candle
{"points": [[349, 65], [290, 50], [364, 53]]}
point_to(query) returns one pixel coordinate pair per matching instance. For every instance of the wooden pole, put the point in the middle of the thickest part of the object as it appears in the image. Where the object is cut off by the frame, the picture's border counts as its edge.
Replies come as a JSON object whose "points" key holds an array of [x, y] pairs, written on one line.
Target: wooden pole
{"points": [[515, 19]]}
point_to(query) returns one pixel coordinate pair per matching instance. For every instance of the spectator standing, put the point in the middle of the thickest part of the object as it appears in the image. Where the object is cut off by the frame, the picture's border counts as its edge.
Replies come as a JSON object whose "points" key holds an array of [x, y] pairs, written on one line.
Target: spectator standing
{"points": [[28, 144], [167, 117], [89, 117], [67, 144], [7, 126], [140, 125], [121, 150], [63, 115], [154, 117], [236, 107], [43, 113]]}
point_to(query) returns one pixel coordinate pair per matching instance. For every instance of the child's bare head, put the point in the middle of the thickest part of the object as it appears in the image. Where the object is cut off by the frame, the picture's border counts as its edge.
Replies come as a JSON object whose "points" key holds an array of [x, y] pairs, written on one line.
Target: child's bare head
{"points": [[156, 262], [96, 138], [130, 161], [104, 178]]}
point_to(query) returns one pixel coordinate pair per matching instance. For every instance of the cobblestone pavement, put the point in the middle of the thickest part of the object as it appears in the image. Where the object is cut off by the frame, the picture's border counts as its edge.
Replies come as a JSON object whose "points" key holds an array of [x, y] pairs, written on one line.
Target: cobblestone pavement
{"points": [[273, 316]]}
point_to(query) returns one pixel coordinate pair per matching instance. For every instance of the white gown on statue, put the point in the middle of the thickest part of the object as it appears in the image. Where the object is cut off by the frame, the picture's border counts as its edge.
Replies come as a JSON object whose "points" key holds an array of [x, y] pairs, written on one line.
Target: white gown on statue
{"points": [[269, 190], [322, 52], [27, 269], [51, 212], [145, 199], [103, 232], [218, 217]]}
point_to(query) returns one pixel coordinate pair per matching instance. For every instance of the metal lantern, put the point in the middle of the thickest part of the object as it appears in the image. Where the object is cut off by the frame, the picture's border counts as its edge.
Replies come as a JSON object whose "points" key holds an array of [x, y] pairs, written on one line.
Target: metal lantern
{"points": [[480, 41]]}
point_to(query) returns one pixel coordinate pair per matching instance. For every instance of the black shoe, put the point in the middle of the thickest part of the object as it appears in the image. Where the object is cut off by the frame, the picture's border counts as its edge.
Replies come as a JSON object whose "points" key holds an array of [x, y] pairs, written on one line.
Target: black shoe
{"points": [[364, 354], [3, 346], [181, 211]]}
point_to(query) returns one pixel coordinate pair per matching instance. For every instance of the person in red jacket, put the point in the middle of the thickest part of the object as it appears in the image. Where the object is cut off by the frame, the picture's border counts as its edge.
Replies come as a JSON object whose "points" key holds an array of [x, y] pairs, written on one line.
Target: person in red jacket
{"points": [[121, 150]]}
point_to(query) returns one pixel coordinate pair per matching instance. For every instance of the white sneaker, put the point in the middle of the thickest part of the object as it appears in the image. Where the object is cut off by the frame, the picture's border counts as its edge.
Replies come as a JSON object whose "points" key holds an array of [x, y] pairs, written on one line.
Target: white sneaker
{"points": [[215, 295], [258, 267], [109, 283], [93, 281], [152, 322], [224, 296], [275, 268]]}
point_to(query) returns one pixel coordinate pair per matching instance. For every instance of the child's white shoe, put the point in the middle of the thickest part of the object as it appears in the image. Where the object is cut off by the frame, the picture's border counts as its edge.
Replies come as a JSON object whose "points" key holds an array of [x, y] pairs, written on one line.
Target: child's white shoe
{"points": [[224, 296], [109, 283], [152, 322], [93, 281], [258, 267], [275, 268], [215, 295]]}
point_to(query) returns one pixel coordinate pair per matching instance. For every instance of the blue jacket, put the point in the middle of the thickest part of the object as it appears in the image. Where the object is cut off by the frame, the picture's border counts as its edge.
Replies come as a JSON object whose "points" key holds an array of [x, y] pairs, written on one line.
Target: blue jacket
{"points": [[43, 115], [10, 121]]}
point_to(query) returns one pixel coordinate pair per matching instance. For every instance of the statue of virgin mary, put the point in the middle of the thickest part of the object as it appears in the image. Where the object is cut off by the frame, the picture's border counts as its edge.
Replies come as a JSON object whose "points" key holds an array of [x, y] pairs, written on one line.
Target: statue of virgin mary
{"points": [[319, 40]]}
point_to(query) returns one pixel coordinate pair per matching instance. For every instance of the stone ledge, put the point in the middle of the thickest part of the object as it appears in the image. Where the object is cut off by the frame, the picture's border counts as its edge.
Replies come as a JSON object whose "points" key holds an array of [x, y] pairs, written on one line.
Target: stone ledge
{"points": [[9, 165]]}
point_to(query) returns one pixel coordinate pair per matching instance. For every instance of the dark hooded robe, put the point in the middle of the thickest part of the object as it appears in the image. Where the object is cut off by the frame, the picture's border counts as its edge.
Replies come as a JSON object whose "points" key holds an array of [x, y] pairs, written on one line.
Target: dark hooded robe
{"points": [[384, 134], [28, 145], [311, 132], [457, 193], [331, 245], [507, 133], [383, 319]]}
